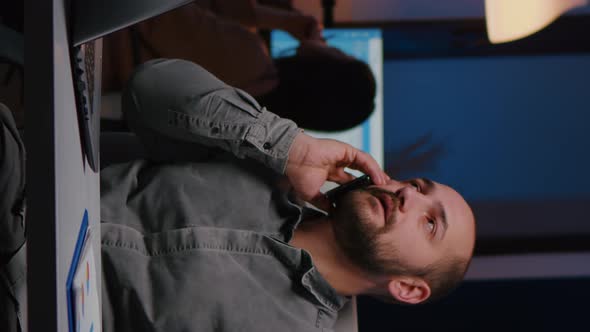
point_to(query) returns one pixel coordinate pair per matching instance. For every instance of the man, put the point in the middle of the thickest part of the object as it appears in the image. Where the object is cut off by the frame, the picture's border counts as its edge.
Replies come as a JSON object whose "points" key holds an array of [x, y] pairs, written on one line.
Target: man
{"points": [[198, 240]]}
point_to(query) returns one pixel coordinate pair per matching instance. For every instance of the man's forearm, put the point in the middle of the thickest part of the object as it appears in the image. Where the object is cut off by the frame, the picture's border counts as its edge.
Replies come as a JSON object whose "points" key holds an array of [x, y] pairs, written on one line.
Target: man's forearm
{"points": [[181, 100]]}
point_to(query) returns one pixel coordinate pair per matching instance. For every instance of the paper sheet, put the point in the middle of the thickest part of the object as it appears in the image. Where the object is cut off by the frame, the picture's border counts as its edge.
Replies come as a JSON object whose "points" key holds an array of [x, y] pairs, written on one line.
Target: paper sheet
{"points": [[85, 291]]}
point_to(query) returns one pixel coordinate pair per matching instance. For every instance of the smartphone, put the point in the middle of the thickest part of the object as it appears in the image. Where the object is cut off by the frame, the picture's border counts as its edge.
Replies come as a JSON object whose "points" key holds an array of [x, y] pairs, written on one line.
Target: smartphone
{"points": [[360, 182]]}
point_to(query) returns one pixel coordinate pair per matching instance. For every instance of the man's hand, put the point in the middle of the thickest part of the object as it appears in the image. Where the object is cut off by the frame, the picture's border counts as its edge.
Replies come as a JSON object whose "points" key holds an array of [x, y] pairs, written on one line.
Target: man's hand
{"points": [[299, 25], [312, 161], [304, 27]]}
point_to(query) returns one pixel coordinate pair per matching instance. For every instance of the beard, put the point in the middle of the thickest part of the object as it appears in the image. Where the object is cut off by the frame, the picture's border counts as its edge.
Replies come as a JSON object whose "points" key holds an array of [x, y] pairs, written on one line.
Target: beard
{"points": [[361, 238]]}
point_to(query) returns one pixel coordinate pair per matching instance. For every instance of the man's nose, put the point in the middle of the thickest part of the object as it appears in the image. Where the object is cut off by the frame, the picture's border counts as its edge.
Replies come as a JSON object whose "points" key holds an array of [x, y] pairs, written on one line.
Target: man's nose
{"points": [[391, 184], [411, 198]]}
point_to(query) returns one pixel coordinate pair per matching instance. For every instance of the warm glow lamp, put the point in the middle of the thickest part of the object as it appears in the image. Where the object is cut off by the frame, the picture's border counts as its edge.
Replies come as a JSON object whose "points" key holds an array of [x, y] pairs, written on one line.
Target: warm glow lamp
{"points": [[508, 20]]}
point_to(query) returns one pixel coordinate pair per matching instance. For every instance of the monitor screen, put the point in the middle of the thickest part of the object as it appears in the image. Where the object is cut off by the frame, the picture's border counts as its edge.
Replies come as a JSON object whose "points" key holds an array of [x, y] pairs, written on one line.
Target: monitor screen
{"points": [[366, 45]]}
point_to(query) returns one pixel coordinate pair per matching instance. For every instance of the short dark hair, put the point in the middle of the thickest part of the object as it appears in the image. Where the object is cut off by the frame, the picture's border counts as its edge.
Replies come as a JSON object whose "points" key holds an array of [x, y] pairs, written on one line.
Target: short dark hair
{"points": [[322, 93], [443, 277]]}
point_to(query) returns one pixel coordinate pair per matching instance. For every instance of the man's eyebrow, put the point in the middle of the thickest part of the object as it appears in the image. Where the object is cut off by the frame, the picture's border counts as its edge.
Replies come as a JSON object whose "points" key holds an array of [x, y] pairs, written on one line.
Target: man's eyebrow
{"points": [[429, 186], [443, 217]]}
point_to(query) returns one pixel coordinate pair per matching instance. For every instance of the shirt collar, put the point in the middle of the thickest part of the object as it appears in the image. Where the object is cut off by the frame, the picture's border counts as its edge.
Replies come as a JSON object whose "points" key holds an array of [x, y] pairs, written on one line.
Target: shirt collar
{"points": [[315, 283], [311, 279]]}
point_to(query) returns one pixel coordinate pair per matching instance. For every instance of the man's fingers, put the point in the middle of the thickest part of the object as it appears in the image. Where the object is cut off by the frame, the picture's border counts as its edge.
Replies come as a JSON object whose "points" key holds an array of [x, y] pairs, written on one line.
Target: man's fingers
{"points": [[340, 176], [366, 164], [321, 202]]}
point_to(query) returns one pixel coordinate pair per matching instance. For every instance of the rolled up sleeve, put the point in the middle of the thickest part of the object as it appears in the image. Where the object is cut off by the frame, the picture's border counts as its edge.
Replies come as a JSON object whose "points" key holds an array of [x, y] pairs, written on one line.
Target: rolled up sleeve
{"points": [[179, 99]]}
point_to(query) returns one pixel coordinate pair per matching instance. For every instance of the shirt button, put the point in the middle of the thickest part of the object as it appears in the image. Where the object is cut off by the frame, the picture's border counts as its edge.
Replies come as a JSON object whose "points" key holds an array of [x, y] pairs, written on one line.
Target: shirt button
{"points": [[267, 145]]}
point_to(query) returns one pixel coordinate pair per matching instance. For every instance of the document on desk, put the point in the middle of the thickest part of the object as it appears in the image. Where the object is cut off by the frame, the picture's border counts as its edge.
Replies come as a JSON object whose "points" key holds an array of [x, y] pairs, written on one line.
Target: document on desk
{"points": [[83, 297]]}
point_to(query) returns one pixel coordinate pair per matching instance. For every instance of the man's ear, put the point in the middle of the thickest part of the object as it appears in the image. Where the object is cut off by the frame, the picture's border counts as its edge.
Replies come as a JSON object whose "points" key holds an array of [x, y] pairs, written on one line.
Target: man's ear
{"points": [[409, 290]]}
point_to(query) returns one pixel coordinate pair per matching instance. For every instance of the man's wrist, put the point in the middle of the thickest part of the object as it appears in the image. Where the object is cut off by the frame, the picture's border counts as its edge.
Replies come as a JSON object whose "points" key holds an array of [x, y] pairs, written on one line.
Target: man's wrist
{"points": [[299, 150]]}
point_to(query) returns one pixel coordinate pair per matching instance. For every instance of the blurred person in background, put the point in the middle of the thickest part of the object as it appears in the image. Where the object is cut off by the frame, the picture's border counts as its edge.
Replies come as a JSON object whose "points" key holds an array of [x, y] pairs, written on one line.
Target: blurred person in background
{"points": [[320, 87]]}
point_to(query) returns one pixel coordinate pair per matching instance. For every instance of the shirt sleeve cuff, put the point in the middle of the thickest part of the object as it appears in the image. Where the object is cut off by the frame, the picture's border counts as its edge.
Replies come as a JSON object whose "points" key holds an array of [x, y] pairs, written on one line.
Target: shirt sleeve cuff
{"points": [[272, 137]]}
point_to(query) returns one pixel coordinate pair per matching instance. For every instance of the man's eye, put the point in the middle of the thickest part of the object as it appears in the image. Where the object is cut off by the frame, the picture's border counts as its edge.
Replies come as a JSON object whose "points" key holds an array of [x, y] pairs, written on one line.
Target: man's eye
{"points": [[416, 185], [431, 225]]}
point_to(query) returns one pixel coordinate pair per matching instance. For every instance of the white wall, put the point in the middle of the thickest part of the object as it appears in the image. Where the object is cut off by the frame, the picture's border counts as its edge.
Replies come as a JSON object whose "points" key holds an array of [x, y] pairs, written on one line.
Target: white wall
{"points": [[76, 185], [55, 205]]}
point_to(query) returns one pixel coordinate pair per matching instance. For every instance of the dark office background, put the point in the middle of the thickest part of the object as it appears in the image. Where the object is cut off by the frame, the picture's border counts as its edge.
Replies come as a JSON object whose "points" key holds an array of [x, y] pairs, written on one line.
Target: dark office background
{"points": [[509, 132], [508, 126], [523, 305]]}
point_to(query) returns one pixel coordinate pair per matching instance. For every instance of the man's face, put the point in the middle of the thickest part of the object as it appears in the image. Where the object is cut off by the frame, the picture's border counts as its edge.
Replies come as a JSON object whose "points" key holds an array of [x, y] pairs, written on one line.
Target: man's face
{"points": [[402, 226]]}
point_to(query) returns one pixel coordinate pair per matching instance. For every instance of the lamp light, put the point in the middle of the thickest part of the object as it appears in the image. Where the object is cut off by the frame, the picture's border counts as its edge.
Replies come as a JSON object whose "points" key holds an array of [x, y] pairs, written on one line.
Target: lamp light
{"points": [[508, 20]]}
